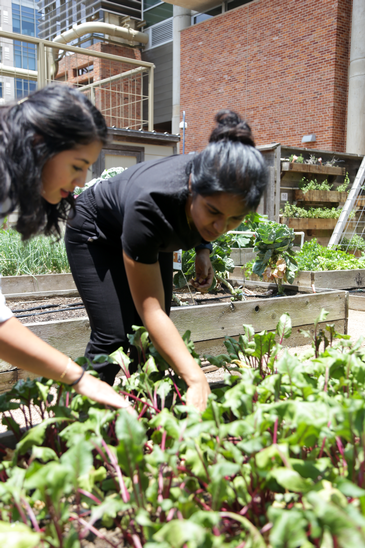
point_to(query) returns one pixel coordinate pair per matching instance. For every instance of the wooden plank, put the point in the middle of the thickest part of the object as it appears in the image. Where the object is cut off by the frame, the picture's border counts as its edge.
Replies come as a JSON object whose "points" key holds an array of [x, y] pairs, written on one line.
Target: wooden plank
{"points": [[309, 224], [27, 284], [357, 302], [216, 346], [42, 295], [332, 279], [320, 196], [309, 168], [214, 321]]}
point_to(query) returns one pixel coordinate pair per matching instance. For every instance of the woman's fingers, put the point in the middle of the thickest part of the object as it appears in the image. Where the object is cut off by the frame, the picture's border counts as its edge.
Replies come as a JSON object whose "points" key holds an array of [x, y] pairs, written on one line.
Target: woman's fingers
{"points": [[197, 395]]}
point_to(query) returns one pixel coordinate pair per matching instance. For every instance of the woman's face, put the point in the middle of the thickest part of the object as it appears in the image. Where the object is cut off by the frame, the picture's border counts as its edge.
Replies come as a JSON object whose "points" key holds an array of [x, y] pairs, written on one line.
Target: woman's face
{"points": [[66, 170], [216, 214]]}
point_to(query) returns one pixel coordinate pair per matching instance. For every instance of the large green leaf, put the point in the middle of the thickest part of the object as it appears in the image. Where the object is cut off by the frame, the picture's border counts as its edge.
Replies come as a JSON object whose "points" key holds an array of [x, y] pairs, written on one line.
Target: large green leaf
{"points": [[18, 535]]}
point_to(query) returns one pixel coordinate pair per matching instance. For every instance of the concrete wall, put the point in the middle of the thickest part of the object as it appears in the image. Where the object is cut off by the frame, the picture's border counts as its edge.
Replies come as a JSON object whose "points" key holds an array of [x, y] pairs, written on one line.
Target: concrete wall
{"points": [[282, 65]]}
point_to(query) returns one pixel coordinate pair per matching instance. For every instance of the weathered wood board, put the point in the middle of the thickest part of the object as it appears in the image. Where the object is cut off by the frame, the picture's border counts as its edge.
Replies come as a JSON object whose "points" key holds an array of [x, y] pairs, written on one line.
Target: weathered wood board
{"points": [[309, 224], [208, 323], [28, 284], [331, 279], [357, 302], [320, 196], [309, 168]]}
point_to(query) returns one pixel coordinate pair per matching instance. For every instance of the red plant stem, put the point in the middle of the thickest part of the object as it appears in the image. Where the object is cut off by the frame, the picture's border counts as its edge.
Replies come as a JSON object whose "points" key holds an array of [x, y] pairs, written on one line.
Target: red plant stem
{"points": [[341, 450], [32, 517], [10, 426], [114, 461], [170, 515], [67, 399], [142, 412], [322, 448], [139, 400], [160, 483], [90, 496], [137, 542], [163, 441], [95, 532], [22, 515], [177, 390]]}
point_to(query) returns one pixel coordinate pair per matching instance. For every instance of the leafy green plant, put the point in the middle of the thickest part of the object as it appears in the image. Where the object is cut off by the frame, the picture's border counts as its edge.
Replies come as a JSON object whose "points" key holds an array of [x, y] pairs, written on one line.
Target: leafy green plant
{"points": [[306, 185], [40, 255], [297, 159], [316, 257], [356, 243], [293, 211], [276, 460], [344, 186], [220, 258], [275, 260]]}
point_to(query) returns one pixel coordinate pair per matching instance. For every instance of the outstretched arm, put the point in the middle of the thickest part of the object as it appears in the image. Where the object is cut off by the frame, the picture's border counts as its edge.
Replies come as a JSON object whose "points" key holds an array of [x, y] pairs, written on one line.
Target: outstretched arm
{"points": [[21, 348], [204, 272], [147, 291]]}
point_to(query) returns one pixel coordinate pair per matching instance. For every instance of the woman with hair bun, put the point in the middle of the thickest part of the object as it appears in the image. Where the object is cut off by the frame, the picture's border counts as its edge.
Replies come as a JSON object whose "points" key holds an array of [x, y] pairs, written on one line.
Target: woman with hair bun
{"points": [[48, 141], [120, 241]]}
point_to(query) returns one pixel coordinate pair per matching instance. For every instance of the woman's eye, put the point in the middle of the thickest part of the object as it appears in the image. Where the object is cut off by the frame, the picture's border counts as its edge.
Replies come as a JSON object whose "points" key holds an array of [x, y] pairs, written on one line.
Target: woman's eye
{"points": [[77, 168]]}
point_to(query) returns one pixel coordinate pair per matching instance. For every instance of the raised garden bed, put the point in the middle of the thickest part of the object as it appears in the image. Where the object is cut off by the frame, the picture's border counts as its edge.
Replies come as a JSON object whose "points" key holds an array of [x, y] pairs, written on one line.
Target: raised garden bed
{"points": [[323, 196], [308, 168], [43, 285], [209, 323], [309, 224], [331, 279]]}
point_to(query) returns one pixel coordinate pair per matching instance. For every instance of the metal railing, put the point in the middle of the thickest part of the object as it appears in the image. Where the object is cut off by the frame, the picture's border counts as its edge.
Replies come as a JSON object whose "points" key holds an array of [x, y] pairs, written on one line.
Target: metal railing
{"points": [[121, 87]]}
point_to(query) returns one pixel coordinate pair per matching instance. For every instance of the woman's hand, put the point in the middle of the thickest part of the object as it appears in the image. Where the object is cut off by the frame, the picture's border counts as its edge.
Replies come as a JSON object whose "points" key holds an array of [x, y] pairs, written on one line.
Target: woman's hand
{"points": [[198, 392], [103, 393], [204, 272], [146, 287]]}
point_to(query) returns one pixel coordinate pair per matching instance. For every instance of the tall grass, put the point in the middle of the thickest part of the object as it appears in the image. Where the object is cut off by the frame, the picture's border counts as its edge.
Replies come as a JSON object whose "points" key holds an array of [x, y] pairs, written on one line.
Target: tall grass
{"points": [[40, 255]]}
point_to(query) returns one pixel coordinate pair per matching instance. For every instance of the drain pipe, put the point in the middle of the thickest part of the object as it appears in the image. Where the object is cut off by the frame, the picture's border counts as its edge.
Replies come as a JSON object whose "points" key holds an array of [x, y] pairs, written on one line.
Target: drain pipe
{"points": [[77, 31], [355, 142]]}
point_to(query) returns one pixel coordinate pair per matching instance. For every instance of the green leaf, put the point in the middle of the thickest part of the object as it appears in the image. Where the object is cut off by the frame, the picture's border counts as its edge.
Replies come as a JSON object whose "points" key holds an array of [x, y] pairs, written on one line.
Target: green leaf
{"points": [[132, 437], [284, 327], [176, 533], [35, 436], [44, 454], [18, 535], [291, 480]]}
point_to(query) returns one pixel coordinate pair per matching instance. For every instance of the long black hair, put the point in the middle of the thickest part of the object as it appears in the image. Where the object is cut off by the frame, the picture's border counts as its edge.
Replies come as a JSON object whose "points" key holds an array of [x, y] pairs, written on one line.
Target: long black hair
{"points": [[230, 162], [50, 120]]}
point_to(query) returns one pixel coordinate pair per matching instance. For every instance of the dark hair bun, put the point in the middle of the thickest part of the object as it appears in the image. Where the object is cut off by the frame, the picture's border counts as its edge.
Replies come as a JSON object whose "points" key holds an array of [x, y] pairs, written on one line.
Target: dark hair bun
{"points": [[230, 126]]}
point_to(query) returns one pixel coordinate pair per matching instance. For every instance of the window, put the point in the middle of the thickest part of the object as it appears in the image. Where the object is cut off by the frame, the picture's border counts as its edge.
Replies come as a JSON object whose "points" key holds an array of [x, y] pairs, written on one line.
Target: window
{"points": [[236, 3], [1, 90], [83, 70], [207, 15], [25, 55], [158, 13], [24, 87]]}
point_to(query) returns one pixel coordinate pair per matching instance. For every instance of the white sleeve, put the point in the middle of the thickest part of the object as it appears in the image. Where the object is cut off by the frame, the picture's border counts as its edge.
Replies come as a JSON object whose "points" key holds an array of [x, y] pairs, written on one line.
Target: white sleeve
{"points": [[5, 312]]}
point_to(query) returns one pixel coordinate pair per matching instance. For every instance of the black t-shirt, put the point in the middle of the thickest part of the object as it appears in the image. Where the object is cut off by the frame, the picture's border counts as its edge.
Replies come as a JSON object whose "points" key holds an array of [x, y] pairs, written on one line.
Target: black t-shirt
{"points": [[144, 209]]}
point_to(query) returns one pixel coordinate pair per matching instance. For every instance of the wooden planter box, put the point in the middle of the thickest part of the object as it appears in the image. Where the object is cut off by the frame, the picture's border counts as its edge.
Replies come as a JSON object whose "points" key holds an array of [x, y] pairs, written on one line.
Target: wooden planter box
{"points": [[209, 324], [41, 286], [299, 223], [308, 168], [331, 279], [322, 196]]}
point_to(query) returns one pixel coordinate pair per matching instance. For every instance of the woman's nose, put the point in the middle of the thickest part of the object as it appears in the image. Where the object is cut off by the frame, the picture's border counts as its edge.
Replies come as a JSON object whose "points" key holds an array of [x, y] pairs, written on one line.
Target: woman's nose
{"points": [[220, 225]]}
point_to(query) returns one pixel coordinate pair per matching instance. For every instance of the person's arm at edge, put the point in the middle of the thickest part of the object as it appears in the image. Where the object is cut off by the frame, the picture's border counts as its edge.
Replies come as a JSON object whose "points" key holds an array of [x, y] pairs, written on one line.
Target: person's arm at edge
{"points": [[147, 291], [23, 349]]}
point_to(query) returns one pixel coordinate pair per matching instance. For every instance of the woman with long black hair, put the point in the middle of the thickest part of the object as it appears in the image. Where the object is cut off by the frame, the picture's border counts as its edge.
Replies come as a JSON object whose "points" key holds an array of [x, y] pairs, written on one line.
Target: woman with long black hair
{"points": [[48, 141], [120, 241]]}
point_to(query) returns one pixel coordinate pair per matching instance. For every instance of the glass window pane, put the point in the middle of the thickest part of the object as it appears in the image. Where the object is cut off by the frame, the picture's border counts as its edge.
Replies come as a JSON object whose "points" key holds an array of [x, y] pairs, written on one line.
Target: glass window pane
{"points": [[207, 15], [236, 3], [150, 3], [158, 14]]}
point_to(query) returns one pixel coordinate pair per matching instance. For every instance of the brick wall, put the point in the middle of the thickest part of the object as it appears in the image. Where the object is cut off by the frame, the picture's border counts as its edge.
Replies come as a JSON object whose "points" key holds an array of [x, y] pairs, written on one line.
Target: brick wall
{"points": [[120, 101], [282, 65]]}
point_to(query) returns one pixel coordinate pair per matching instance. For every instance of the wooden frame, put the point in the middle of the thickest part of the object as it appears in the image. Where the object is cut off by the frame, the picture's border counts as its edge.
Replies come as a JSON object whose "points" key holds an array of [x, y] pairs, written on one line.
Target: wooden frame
{"points": [[117, 150], [309, 168]]}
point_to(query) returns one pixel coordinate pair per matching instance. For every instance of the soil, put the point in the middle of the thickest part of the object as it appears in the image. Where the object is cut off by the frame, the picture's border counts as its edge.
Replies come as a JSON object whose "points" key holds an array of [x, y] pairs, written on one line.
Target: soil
{"points": [[66, 308], [50, 309]]}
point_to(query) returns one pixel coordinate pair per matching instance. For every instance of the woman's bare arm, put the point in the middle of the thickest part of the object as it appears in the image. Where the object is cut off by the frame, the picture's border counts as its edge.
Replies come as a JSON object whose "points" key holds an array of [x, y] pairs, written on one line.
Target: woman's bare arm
{"points": [[21, 348], [147, 291]]}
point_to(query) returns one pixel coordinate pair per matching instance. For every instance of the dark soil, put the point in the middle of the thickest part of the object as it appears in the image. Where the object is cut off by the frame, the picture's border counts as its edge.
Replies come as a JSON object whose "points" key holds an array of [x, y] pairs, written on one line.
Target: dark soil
{"points": [[59, 308]]}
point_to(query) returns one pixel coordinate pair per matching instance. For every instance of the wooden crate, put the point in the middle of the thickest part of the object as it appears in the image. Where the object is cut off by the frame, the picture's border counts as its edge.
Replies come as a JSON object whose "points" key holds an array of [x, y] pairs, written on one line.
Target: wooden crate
{"points": [[209, 324], [308, 168], [323, 196], [309, 224]]}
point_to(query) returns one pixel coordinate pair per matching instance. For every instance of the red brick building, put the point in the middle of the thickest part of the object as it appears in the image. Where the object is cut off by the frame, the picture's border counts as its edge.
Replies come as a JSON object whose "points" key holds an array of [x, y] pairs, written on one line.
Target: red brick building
{"points": [[283, 65]]}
